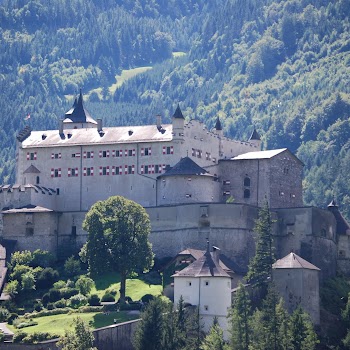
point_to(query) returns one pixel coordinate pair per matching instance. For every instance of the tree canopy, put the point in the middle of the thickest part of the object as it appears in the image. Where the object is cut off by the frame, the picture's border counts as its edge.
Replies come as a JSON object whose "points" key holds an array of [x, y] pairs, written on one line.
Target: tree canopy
{"points": [[118, 231]]}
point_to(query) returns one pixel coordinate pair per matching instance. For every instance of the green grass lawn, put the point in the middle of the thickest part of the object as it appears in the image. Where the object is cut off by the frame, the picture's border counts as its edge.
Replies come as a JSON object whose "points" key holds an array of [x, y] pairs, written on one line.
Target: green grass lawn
{"points": [[135, 288], [178, 54], [57, 324]]}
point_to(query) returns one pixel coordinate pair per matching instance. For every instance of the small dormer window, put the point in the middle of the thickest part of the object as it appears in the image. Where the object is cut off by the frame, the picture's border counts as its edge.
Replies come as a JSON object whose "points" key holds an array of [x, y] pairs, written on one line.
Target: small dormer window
{"points": [[206, 283], [189, 284], [206, 307]]}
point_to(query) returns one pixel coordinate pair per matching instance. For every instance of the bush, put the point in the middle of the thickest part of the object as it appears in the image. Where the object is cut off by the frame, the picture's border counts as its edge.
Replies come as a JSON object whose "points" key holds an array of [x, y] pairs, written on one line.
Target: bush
{"points": [[19, 336], [42, 258], [49, 312], [4, 314], [94, 300], [54, 295], [50, 306], [77, 300], [46, 278], [72, 267], [107, 298], [60, 284], [60, 304], [87, 308], [134, 305], [20, 323], [152, 277], [66, 293], [38, 307], [12, 317], [84, 284], [147, 298], [38, 337]]}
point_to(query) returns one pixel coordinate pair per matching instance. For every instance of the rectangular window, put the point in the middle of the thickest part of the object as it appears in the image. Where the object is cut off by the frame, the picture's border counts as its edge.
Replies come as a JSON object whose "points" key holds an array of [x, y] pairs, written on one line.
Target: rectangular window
{"points": [[146, 169], [148, 151], [88, 171], [226, 182], [193, 152], [73, 172], [56, 156], [104, 170], [118, 153], [226, 193], [157, 169], [130, 152], [76, 155], [88, 155], [55, 172], [207, 156], [130, 169]]}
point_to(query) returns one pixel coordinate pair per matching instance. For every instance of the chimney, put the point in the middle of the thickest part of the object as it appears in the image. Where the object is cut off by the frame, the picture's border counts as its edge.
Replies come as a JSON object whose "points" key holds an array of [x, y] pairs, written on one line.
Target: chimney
{"points": [[159, 121], [216, 254], [61, 127], [99, 125]]}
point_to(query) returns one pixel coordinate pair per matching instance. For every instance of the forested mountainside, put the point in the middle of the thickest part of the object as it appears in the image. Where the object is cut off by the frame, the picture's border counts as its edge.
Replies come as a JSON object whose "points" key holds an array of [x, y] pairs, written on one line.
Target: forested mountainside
{"points": [[282, 66]]}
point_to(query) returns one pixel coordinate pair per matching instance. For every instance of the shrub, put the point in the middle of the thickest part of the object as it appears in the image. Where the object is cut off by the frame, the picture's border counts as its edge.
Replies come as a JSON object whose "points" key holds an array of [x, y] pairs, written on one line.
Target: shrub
{"points": [[134, 305], [21, 258], [60, 284], [152, 277], [20, 323], [147, 298], [87, 308], [66, 293], [54, 295], [108, 298], [70, 284], [47, 277], [94, 300], [60, 304], [38, 306], [19, 336], [84, 284], [38, 337], [4, 314], [50, 306], [42, 258], [12, 317], [2, 336], [11, 288], [77, 300], [72, 267], [18, 271]]}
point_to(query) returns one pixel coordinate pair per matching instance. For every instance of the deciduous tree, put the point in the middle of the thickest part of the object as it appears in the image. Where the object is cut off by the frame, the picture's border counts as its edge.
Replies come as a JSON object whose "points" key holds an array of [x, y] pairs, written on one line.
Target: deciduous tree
{"points": [[118, 231]]}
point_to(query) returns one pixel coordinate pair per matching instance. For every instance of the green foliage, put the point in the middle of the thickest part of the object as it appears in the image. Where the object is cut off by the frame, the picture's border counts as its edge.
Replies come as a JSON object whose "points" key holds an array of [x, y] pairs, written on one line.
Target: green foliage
{"points": [[214, 340], [12, 288], [20, 258], [4, 314], [261, 264], [118, 231], [72, 267], [84, 284], [240, 320], [42, 258], [79, 339], [77, 300], [46, 278], [108, 297], [94, 300]]}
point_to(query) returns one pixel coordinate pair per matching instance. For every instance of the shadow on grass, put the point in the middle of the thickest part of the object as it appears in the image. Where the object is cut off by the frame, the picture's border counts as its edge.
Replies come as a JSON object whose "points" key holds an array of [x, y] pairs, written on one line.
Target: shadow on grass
{"points": [[107, 319], [105, 280]]}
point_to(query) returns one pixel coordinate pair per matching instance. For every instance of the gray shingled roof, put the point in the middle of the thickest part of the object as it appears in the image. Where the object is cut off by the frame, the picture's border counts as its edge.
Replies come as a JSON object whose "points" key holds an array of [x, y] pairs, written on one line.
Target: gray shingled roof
{"points": [[89, 136], [205, 266], [78, 113], [293, 261], [255, 135], [186, 166], [32, 170]]}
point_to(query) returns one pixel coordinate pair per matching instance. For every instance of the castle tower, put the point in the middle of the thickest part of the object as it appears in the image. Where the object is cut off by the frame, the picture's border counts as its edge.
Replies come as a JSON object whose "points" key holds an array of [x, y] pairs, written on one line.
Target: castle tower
{"points": [[178, 121], [218, 131], [297, 282], [77, 117], [255, 139]]}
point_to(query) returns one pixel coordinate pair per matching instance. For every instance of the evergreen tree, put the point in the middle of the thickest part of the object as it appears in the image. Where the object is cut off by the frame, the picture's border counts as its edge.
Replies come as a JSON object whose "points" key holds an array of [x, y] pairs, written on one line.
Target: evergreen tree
{"points": [[240, 319], [149, 334], [303, 336], [260, 266], [214, 340]]}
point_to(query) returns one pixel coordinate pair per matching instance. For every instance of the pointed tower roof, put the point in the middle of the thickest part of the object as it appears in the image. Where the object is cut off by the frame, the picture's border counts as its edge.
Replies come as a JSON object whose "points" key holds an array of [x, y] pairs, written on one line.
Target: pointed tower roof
{"points": [[186, 166], [205, 266], [293, 261], [78, 113], [178, 114], [218, 125], [255, 136], [32, 170], [342, 225]]}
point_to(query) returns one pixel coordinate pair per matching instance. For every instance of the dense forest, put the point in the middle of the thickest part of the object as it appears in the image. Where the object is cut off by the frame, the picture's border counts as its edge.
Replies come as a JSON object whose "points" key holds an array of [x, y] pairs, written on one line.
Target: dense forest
{"points": [[281, 66]]}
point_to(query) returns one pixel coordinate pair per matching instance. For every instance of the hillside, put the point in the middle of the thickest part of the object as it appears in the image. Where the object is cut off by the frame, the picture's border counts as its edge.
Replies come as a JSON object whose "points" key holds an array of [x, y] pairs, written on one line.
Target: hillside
{"points": [[282, 66]]}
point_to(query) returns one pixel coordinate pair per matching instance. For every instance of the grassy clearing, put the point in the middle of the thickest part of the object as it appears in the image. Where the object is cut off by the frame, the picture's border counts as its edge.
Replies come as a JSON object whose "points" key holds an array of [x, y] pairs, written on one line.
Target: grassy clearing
{"points": [[178, 54], [57, 324], [135, 288]]}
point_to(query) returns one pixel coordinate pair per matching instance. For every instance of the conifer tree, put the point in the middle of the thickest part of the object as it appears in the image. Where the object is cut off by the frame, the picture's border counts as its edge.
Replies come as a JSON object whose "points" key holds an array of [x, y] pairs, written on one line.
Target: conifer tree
{"points": [[303, 336], [260, 266], [215, 339], [240, 319]]}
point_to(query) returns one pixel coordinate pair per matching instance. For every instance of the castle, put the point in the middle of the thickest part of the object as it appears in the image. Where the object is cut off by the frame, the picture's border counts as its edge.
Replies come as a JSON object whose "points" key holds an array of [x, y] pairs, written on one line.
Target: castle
{"points": [[196, 184]]}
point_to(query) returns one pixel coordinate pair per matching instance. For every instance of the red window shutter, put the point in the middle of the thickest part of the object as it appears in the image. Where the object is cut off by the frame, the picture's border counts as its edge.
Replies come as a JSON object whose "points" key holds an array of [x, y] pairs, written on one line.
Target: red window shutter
{"points": [[133, 152], [142, 169], [113, 170], [108, 154], [172, 150], [84, 171], [121, 153], [52, 155], [76, 172], [126, 153], [149, 151], [113, 153], [126, 170], [52, 172], [164, 149], [142, 151], [59, 172], [68, 172], [133, 169], [28, 156], [100, 154], [120, 170], [59, 155], [84, 154], [100, 170], [92, 154], [92, 171]]}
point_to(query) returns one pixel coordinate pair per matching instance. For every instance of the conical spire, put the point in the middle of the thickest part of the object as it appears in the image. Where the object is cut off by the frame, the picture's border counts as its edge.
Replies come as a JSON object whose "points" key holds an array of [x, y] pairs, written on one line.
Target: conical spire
{"points": [[255, 135], [332, 204], [218, 125], [178, 114], [78, 114]]}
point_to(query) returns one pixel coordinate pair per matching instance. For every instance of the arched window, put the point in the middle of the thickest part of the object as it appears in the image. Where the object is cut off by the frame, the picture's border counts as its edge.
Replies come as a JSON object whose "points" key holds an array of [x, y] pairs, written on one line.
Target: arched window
{"points": [[246, 193], [246, 181], [37, 180]]}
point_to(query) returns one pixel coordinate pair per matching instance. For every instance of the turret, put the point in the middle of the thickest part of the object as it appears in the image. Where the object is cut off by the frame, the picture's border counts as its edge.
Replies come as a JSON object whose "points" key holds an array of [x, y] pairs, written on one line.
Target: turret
{"points": [[178, 121], [255, 139]]}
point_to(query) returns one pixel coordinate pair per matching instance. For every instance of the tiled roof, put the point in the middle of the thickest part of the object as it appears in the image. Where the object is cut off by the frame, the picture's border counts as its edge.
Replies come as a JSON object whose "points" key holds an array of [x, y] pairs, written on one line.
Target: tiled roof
{"points": [[186, 166], [293, 261], [193, 252], [112, 135], [205, 266], [31, 170]]}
